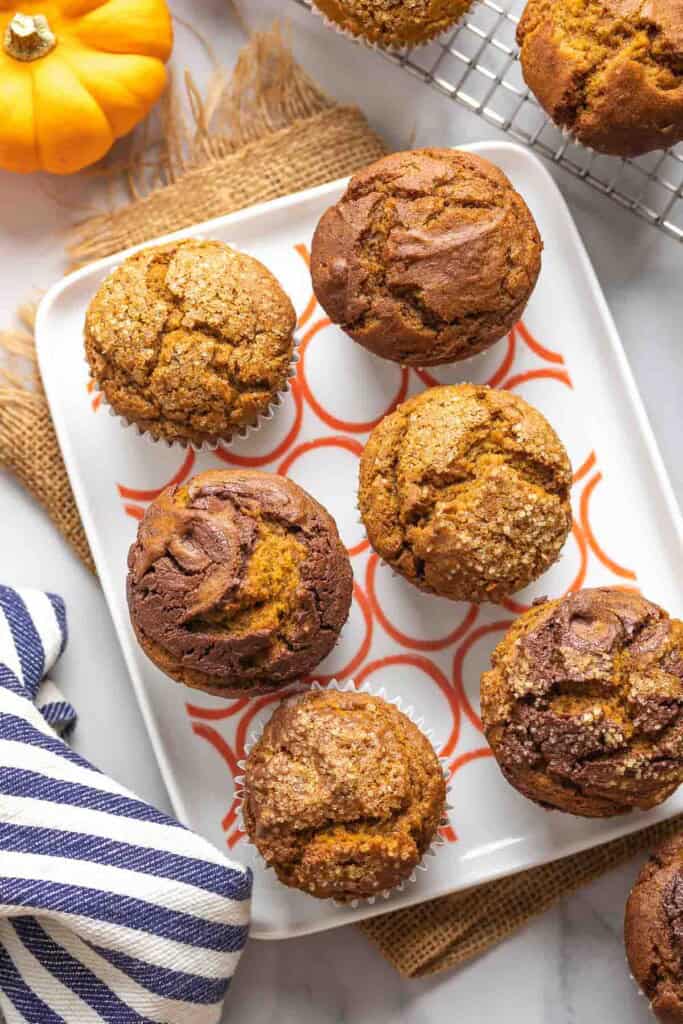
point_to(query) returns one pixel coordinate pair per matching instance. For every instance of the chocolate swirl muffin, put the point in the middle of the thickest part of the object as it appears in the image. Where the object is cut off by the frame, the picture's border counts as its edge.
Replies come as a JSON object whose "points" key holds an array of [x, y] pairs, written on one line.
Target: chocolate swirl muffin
{"points": [[583, 706], [653, 931], [190, 341], [428, 257], [238, 582], [342, 794], [609, 71], [392, 23], [464, 490]]}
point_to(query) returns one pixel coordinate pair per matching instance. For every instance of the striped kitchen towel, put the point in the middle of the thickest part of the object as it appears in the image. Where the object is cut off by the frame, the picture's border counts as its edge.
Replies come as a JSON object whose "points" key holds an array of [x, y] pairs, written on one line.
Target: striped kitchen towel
{"points": [[109, 910]]}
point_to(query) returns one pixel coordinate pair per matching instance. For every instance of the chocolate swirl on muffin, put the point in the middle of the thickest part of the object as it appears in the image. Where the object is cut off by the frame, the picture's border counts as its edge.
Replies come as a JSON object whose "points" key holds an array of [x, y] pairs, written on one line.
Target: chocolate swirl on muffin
{"points": [[583, 707], [238, 582], [428, 257]]}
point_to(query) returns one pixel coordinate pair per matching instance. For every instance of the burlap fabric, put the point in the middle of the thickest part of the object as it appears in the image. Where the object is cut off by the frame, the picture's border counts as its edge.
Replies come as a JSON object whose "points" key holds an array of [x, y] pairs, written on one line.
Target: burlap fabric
{"points": [[267, 133]]}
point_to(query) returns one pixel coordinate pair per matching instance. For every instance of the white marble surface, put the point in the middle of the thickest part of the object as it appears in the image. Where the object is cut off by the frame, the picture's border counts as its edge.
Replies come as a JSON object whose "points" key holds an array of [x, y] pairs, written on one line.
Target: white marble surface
{"points": [[565, 968]]}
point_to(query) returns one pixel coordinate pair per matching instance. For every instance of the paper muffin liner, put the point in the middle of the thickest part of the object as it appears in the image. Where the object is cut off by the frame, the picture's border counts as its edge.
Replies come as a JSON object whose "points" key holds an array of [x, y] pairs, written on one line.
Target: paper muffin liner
{"points": [[349, 686], [246, 430], [394, 48]]}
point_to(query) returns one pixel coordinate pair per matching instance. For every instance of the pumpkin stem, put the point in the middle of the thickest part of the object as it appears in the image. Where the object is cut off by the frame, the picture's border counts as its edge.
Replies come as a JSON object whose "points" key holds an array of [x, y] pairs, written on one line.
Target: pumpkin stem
{"points": [[29, 37]]}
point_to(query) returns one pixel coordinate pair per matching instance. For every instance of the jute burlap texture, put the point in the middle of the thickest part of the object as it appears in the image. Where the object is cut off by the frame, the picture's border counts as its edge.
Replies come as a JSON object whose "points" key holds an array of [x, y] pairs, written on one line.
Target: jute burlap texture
{"points": [[267, 133]]}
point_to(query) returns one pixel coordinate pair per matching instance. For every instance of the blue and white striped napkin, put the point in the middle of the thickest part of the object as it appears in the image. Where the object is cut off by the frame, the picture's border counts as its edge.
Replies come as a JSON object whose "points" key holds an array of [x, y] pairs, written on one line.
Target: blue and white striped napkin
{"points": [[109, 910]]}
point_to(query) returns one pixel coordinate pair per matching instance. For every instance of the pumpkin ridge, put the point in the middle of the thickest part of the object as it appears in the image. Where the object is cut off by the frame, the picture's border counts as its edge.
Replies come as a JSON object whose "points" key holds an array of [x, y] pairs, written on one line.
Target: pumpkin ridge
{"points": [[59, 136], [91, 30], [74, 70]]}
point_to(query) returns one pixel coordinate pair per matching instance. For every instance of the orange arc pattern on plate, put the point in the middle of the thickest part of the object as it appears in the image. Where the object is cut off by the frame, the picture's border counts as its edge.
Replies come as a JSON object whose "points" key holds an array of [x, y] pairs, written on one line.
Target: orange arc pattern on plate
{"points": [[239, 714], [327, 417], [584, 468], [549, 374], [254, 461], [177, 478], [396, 634], [471, 755], [361, 654], [608, 562], [496, 377], [540, 350], [338, 441], [459, 660], [433, 672]]}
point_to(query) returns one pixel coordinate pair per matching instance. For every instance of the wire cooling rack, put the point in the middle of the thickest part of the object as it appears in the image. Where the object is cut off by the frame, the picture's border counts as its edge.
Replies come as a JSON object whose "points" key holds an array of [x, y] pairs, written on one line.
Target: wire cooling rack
{"points": [[477, 66]]}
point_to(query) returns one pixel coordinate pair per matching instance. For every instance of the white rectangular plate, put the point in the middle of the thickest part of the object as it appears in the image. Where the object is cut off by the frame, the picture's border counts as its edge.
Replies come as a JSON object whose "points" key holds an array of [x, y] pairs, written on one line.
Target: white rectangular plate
{"points": [[566, 359]]}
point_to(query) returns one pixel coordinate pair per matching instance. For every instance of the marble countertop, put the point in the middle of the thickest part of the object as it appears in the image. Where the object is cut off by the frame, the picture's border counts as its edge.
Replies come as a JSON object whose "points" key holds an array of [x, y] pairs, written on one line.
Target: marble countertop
{"points": [[568, 966]]}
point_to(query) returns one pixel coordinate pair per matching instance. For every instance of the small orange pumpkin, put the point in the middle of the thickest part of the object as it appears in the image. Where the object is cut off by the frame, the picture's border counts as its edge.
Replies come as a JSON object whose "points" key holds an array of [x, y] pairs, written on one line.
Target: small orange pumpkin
{"points": [[75, 75]]}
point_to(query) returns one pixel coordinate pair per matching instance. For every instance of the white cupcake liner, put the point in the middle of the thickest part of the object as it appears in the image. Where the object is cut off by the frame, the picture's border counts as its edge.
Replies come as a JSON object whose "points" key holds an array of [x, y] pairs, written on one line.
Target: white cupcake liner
{"points": [[393, 48], [349, 686], [246, 430]]}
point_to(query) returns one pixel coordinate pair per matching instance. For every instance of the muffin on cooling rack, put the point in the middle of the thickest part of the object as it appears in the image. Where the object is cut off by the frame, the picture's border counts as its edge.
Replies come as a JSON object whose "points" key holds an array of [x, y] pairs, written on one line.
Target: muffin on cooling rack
{"points": [[464, 490], [429, 257], [653, 931], [583, 706], [238, 582], [343, 794], [393, 23], [609, 72], [190, 341]]}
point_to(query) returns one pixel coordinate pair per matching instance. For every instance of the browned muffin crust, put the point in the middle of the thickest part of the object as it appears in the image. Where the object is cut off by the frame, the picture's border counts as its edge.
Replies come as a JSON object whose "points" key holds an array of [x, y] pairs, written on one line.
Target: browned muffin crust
{"points": [[428, 257], [342, 794], [653, 931], [392, 23], [238, 582], [583, 706], [464, 490], [190, 341], [610, 71]]}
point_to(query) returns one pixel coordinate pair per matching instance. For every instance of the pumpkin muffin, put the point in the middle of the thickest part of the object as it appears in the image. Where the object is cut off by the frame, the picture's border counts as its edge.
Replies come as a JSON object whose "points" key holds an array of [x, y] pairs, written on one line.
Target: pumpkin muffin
{"points": [[429, 257], [653, 931], [393, 23], [190, 341], [583, 706], [464, 490], [238, 582], [608, 71], [343, 794]]}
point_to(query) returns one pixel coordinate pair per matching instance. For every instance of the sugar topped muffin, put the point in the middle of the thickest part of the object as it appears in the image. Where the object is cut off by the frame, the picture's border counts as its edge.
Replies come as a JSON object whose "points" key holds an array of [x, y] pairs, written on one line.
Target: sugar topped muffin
{"points": [[609, 71], [583, 706], [343, 794], [429, 256], [653, 931], [238, 582], [394, 23], [464, 490], [191, 341]]}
